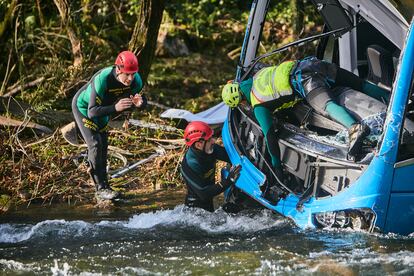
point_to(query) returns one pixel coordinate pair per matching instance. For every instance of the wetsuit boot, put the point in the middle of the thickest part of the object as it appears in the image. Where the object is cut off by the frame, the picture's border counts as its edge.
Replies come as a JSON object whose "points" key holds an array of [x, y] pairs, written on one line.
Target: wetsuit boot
{"points": [[357, 134], [106, 193]]}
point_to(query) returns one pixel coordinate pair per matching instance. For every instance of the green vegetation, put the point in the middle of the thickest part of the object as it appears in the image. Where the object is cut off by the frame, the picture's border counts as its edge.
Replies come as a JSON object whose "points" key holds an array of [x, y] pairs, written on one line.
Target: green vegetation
{"points": [[38, 69]]}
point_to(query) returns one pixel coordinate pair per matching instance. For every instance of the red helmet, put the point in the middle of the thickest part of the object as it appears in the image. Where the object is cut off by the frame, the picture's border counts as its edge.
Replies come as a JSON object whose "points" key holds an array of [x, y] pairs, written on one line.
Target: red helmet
{"points": [[197, 131], [127, 62]]}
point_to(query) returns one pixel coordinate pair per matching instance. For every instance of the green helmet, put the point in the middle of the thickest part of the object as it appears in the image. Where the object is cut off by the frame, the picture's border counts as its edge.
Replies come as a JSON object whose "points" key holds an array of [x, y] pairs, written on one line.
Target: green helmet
{"points": [[231, 94]]}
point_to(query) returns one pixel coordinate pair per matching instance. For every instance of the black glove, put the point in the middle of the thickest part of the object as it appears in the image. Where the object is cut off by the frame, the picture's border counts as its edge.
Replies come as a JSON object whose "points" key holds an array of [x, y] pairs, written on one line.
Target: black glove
{"points": [[232, 177], [144, 102]]}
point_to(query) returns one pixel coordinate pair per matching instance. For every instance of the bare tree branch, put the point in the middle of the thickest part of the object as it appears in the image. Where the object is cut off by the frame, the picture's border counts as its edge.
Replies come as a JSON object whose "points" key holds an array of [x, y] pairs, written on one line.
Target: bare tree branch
{"points": [[19, 88], [40, 13], [67, 21]]}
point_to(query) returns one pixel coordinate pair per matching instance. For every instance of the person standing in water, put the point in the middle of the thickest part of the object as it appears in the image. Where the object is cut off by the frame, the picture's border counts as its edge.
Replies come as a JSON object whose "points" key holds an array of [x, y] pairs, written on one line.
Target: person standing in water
{"points": [[111, 90], [198, 167]]}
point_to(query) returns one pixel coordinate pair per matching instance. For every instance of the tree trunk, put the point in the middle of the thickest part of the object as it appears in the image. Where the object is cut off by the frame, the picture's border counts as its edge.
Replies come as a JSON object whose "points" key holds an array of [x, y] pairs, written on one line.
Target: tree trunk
{"points": [[144, 38], [298, 13], [8, 17], [70, 26]]}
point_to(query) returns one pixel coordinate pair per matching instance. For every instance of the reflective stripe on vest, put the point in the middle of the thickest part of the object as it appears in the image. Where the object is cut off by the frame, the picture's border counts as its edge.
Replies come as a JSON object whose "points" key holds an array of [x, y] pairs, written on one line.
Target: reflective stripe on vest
{"points": [[271, 83]]}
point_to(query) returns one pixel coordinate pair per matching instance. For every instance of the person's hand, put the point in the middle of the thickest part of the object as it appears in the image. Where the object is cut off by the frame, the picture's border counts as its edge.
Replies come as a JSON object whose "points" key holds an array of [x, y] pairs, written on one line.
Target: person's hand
{"points": [[136, 100], [123, 104], [234, 173], [232, 177]]}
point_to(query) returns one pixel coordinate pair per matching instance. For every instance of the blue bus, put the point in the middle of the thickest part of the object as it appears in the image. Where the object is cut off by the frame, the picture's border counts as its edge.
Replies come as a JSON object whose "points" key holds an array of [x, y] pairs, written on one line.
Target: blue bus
{"points": [[326, 188]]}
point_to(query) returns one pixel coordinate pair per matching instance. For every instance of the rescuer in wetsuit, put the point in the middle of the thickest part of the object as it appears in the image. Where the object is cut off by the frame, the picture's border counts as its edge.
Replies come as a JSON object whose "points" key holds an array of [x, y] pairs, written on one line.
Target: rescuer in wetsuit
{"points": [[112, 89], [198, 167], [279, 87]]}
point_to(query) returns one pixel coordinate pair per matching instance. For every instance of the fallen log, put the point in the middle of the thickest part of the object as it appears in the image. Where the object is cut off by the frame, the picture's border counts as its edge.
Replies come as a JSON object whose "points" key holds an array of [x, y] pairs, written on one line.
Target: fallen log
{"points": [[5, 121], [19, 88], [70, 134], [143, 124], [171, 141], [161, 106], [159, 152]]}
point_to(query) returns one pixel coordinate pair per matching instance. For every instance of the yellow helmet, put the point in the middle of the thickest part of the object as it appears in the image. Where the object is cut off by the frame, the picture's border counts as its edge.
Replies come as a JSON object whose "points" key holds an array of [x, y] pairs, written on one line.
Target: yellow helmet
{"points": [[231, 94]]}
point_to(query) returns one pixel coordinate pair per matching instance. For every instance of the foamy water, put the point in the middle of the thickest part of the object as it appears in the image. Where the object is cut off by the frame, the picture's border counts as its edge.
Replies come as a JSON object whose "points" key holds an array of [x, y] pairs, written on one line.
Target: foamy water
{"points": [[185, 241], [180, 217]]}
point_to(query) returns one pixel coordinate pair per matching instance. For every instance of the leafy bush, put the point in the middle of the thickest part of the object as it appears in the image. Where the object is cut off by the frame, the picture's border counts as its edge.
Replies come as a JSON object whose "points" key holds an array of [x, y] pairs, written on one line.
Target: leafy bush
{"points": [[201, 17]]}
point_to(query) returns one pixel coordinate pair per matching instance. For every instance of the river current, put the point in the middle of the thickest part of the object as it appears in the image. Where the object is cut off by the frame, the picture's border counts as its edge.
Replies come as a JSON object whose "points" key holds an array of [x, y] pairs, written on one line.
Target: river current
{"points": [[185, 241]]}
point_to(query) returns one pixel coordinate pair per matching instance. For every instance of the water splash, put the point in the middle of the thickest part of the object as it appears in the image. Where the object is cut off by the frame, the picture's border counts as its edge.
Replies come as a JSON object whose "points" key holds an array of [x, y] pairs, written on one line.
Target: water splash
{"points": [[138, 271], [14, 265], [139, 246], [178, 218], [64, 271], [14, 233], [218, 222], [366, 256]]}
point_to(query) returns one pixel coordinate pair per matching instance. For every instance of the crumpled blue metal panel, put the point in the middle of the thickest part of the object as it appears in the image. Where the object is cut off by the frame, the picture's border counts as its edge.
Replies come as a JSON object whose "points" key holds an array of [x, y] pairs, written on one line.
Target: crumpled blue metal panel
{"points": [[373, 190], [400, 216]]}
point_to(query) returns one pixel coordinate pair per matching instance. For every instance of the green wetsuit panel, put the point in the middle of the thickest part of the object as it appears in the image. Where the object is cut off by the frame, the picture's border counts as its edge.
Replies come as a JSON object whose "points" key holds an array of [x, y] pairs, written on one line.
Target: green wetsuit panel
{"points": [[97, 98], [339, 114], [376, 92], [246, 87], [264, 117]]}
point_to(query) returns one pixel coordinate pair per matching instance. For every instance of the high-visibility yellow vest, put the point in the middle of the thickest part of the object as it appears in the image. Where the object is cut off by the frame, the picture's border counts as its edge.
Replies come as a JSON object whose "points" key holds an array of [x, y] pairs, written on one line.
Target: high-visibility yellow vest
{"points": [[271, 83]]}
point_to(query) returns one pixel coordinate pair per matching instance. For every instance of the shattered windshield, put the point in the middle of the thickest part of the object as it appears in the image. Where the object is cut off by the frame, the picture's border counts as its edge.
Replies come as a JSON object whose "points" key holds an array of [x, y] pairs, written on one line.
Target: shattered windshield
{"points": [[376, 124], [405, 7]]}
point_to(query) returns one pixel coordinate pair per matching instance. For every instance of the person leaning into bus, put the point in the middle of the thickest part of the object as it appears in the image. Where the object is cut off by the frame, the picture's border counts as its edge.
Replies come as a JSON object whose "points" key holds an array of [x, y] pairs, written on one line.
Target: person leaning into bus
{"points": [[279, 87], [198, 167]]}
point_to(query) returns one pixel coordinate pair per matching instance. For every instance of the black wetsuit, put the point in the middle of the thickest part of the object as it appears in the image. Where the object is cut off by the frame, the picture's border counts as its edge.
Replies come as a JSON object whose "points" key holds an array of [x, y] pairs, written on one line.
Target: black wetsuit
{"points": [[91, 106], [198, 170]]}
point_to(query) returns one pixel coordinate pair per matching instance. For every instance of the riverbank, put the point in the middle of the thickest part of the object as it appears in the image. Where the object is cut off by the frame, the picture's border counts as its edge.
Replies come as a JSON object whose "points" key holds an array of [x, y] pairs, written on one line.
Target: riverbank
{"points": [[48, 170], [199, 53]]}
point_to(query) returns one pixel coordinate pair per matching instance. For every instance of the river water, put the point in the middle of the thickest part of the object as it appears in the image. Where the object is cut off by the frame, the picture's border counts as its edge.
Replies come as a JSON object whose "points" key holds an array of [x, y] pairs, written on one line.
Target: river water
{"points": [[182, 241]]}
